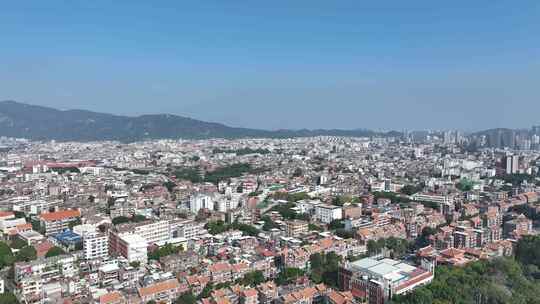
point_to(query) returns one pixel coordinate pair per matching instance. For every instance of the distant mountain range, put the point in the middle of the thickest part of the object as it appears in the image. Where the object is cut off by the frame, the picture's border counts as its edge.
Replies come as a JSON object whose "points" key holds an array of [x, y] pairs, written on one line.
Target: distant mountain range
{"points": [[43, 123]]}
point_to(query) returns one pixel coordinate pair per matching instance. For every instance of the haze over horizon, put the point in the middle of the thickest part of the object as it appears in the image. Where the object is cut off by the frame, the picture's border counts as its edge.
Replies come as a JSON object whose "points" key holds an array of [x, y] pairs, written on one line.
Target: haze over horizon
{"points": [[280, 65]]}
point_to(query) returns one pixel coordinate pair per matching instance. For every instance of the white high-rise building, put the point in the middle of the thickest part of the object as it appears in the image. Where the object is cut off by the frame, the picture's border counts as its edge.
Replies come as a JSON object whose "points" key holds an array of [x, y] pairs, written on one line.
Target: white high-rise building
{"points": [[511, 164], [201, 201], [95, 246], [225, 203]]}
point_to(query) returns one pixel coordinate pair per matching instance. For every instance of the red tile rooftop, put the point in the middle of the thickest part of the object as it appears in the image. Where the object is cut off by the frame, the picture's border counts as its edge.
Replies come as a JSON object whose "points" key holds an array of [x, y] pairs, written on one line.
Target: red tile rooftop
{"points": [[59, 215]]}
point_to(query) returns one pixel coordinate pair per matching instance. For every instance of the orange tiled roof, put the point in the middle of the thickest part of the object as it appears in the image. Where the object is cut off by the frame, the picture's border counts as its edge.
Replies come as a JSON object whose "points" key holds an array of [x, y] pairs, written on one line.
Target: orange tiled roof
{"points": [[250, 293], [159, 287], [222, 301], [219, 267], [6, 213], [240, 267], [111, 297], [24, 227], [59, 215]]}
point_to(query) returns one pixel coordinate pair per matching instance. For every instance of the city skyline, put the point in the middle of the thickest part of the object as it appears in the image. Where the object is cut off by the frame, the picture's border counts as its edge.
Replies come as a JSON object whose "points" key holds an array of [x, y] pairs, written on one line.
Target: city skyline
{"points": [[419, 65]]}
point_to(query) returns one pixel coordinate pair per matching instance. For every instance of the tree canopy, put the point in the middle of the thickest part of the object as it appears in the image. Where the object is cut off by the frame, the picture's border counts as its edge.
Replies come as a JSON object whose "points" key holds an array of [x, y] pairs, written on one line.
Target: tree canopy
{"points": [[54, 251], [324, 268], [497, 281], [289, 275]]}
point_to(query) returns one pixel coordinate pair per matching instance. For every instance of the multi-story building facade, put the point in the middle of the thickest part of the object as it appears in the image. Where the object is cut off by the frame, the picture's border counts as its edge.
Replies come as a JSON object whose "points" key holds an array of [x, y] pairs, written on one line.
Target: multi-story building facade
{"points": [[56, 222], [327, 213], [201, 201], [379, 280], [95, 246], [296, 228], [133, 247], [30, 277]]}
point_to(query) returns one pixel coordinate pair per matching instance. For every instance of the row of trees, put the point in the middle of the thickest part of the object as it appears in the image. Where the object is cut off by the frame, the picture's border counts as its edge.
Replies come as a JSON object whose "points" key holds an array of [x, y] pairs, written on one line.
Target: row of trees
{"points": [[124, 219], [218, 227], [242, 151], [290, 197], [397, 247], [193, 174], [164, 251]]}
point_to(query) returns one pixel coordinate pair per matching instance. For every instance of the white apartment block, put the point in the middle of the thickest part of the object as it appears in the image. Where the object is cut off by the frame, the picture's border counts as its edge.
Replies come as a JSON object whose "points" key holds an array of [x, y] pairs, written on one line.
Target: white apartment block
{"points": [[427, 197], [34, 206], [327, 213], [95, 246], [154, 232], [188, 229], [225, 204], [9, 224]]}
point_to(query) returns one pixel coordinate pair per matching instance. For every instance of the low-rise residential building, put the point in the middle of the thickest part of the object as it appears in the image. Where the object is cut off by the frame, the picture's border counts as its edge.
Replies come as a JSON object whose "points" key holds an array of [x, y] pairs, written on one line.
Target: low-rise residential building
{"points": [[161, 292], [296, 228]]}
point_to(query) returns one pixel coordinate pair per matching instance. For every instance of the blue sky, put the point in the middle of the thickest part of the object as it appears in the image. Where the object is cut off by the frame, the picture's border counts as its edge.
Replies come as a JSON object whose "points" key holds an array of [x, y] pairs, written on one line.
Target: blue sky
{"points": [[280, 64]]}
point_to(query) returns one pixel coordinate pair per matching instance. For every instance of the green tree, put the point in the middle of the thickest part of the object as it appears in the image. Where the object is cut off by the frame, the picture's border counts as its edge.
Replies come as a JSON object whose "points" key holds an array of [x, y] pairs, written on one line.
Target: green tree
{"points": [[411, 189], [186, 298], [324, 268], [164, 251], [373, 247], [18, 243], [245, 228], [120, 220], [169, 185], [225, 173], [336, 224], [423, 239], [298, 172], [138, 218], [268, 223], [313, 227], [6, 255], [207, 290], [8, 298], [54, 251], [289, 275], [217, 227], [74, 223], [346, 234], [26, 254], [464, 185], [253, 278], [528, 250]]}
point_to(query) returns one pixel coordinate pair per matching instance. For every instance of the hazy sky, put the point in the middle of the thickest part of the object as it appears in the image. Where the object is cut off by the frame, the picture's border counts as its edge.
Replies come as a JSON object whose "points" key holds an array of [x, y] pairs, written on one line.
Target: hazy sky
{"points": [[280, 64]]}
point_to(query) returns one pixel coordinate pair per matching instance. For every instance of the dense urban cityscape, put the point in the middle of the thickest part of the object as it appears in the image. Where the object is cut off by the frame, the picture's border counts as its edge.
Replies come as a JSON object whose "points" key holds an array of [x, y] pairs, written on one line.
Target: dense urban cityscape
{"points": [[269, 152], [293, 221]]}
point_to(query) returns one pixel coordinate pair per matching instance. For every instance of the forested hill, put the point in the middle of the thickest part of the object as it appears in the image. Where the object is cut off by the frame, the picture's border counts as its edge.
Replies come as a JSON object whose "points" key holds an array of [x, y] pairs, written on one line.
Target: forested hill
{"points": [[498, 281], [42, 123]]}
